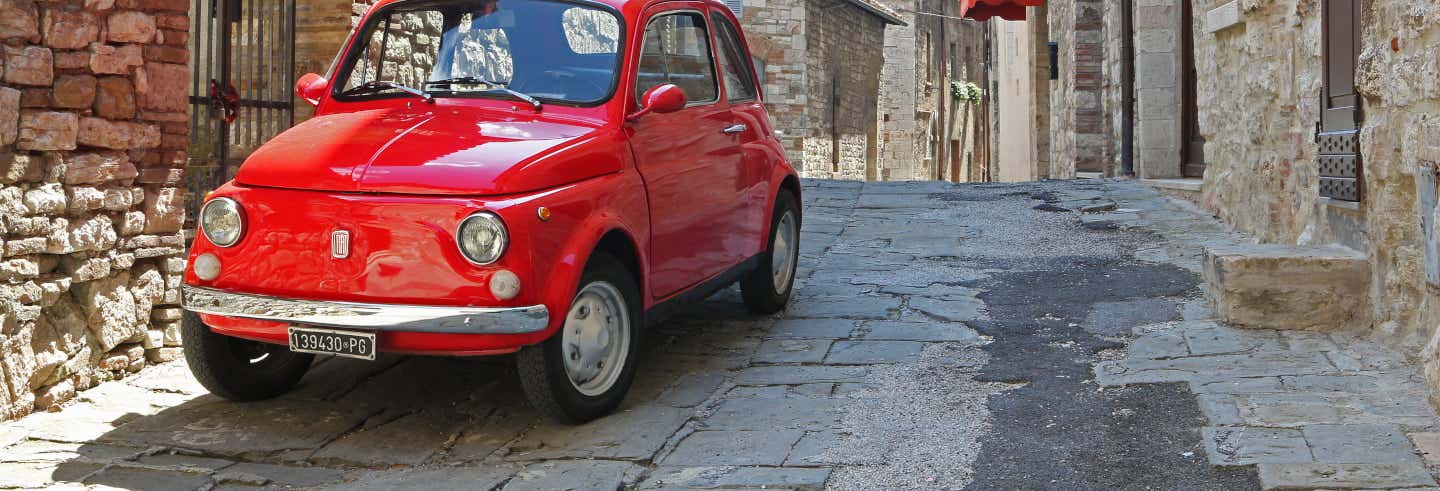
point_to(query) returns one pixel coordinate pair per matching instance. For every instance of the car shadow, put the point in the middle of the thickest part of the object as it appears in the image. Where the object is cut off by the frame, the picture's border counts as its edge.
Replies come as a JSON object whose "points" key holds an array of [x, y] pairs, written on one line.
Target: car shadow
{"points": [[349, 420]]}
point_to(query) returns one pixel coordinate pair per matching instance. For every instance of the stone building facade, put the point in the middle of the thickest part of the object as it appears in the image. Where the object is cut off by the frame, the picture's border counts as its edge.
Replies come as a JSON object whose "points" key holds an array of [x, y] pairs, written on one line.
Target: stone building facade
{"points": [[93, 138], [1265, 174], [821, 74], [1309, 124], [926, 132]]}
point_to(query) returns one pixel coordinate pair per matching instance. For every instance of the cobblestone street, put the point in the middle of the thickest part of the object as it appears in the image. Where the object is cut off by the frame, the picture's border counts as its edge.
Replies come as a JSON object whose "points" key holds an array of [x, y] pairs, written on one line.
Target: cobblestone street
{"points": [[942, 337]]}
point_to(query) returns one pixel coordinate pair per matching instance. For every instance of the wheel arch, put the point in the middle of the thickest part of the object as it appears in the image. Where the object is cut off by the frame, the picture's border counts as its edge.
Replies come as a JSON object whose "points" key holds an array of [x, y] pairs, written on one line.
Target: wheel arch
{"points": [[618, 244]]}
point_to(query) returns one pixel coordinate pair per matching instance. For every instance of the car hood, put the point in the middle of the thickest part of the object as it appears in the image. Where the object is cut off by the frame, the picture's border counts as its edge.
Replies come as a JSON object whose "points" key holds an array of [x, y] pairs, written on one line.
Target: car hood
{"points": [[440, 151]]}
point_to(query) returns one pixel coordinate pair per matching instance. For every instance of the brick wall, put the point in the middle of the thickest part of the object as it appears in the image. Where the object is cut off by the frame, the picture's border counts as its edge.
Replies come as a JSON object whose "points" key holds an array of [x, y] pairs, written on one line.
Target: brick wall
{"points": [[93, 136]]}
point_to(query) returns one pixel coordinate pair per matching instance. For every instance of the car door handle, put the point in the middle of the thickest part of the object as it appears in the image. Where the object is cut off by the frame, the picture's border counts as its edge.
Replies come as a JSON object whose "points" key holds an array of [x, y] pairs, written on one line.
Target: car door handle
{"points": [[733, 129]]}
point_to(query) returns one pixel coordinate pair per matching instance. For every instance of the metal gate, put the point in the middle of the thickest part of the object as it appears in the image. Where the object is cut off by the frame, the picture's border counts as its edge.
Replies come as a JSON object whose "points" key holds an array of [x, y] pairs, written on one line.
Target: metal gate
{"points": [[242, 58]]}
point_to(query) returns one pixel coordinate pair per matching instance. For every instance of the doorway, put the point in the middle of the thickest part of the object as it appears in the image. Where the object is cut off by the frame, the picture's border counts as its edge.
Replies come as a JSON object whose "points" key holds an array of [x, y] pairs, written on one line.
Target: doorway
{"points": [[1192, 143]]}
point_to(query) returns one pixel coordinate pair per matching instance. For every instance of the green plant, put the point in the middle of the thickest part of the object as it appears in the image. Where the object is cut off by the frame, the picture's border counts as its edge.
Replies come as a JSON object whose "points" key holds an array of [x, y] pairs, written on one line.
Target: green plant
{"points": [[965, 91]]}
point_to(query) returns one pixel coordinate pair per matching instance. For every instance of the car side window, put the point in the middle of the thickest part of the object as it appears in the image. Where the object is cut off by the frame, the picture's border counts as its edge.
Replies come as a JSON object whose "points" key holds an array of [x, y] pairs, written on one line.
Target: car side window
{"points": [[676, 50], [734, 65]]}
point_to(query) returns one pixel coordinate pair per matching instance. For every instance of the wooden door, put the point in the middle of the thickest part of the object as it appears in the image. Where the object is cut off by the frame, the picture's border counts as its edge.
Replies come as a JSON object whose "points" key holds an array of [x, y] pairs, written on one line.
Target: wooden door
{"points": [[1340, 116], [1192, 144]]}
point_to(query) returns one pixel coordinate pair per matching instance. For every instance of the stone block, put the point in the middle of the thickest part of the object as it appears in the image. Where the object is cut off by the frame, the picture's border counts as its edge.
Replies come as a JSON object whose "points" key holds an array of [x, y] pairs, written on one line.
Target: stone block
{"points": [[73, 91], [107, 59], [165, 354], [9, 120], [119, 135], [29, 65], [70, 29], [19, 19], [115, 98], [130, 27], [54, 395], [1289, 287], [164, 210], [90, 168], [157, 84], [47, 130]]}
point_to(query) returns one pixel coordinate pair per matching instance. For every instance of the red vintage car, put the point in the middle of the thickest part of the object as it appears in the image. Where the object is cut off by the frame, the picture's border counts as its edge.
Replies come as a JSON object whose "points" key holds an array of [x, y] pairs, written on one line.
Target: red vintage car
{"points": [[482, 177]]}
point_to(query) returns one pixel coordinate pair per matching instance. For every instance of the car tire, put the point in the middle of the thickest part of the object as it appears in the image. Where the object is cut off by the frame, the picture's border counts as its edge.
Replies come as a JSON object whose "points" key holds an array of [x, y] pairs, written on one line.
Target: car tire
{"points": [[239, 369], [767, 289], [565, 377]]}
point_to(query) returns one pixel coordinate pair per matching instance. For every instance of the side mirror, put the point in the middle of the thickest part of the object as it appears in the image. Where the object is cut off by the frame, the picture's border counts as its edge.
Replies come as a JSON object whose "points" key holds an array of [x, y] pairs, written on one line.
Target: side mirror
{"points": [[660, 99], [311, 88]]}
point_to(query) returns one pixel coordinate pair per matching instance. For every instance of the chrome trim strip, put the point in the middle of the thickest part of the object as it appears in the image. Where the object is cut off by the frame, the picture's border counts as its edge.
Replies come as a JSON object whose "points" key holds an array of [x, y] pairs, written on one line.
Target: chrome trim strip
{"points": [[368, 316]]}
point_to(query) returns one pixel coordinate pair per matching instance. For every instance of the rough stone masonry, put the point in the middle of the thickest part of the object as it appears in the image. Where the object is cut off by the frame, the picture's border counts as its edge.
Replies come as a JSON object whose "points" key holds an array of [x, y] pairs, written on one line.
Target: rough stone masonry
{"points": [[93, 138]]}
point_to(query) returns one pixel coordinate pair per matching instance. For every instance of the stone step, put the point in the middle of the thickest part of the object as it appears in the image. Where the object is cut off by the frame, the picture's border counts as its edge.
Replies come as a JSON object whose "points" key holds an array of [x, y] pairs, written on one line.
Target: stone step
{"points": [[1267, 286]]}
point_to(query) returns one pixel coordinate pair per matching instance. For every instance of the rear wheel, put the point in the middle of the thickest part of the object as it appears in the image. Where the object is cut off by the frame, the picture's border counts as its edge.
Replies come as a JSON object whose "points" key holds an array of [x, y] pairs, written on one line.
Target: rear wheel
{"points": [[767, 289], [583, 371], [240, 369]]}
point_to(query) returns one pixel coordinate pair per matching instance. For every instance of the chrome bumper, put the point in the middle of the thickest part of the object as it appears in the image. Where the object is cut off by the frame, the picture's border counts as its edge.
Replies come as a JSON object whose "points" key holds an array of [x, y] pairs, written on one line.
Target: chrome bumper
{"points": [[369, 316]]}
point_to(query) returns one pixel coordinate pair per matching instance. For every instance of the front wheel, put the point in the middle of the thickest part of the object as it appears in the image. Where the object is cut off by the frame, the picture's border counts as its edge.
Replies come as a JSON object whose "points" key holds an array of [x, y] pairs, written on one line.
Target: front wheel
{"points": [[239, 369], [583, 371], [767, 289]]}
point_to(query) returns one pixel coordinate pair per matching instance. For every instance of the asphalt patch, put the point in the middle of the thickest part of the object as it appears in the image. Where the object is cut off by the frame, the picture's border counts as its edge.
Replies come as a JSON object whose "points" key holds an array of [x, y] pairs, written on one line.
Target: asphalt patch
{"points": [[1058, 430]]}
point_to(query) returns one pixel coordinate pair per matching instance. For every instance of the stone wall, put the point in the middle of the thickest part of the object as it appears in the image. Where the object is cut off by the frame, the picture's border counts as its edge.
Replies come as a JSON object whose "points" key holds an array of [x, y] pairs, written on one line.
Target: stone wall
{"points": [[1157, 88], [775, 31], [902, 140], [321, 27], [842, 85], [93, 135], [1082, 131], [921, 126], [1060, 15], [1258, 110]]}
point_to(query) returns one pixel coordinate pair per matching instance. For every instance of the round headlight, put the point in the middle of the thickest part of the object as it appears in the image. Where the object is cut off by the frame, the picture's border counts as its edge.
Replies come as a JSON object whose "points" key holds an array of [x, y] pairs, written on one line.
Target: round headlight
{"points": [[482, 238], [223, 221]]}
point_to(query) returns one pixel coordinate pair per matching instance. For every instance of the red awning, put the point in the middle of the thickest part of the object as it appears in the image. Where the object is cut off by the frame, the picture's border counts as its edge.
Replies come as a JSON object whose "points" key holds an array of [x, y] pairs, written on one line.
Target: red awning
{"points": [[1004, 9]]}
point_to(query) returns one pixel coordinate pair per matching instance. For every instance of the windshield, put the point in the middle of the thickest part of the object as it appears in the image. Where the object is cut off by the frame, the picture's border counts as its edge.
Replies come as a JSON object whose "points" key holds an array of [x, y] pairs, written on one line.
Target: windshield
{"points": [[550, 50]]}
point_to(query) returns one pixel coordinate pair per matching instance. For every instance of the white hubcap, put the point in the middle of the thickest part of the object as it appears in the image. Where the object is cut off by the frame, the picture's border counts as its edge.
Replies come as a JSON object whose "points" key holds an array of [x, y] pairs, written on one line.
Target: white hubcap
{"points": [[783, 252], [596, 338]]}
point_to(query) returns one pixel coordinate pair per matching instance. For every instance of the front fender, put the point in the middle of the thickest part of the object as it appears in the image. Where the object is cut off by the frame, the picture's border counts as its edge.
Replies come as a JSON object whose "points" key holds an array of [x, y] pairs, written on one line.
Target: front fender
{"points": [[581, 217]]}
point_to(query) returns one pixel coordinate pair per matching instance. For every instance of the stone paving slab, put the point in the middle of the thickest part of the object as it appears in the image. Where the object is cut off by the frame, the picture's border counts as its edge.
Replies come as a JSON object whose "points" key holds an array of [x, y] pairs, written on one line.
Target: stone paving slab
{"points": [[919, 331], [734, 448], [795, 478], [1344, 476], [791, 351], [578, 475], [872, 352], [231, 429], [1311, 410], [630, 434], [813, 328]]}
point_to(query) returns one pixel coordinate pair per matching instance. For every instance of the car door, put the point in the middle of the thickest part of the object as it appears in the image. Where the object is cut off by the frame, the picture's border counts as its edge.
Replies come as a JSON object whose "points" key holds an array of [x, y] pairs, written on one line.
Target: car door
{"points": [[751, 129], [689, 162]]}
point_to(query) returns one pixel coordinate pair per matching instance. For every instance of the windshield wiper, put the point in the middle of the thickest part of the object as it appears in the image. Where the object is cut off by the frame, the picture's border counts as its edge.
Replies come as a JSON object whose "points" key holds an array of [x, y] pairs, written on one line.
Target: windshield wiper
{"points": [[379, 85], [499, 88]]}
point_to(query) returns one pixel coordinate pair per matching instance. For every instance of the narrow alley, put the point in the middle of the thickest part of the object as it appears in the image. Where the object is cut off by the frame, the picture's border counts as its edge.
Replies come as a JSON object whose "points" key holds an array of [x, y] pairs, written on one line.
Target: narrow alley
{"points": [[943, 337]]}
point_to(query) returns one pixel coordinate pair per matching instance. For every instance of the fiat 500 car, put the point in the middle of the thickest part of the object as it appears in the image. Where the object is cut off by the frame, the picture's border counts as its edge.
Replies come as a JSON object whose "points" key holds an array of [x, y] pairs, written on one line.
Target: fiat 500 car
{"points": [[528, 177]]}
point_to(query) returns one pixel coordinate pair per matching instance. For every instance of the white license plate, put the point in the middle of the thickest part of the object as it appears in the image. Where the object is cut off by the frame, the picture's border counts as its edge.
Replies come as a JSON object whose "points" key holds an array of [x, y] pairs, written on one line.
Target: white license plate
{"points": [[350, 344]]}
